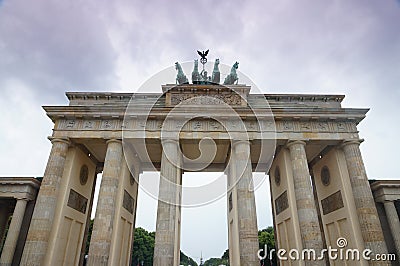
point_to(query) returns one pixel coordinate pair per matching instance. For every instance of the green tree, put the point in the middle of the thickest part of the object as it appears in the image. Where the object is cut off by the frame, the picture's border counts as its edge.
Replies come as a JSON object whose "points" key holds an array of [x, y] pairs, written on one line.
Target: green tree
{"points": [[185, 260], [215, 262], [143, 247], [225, 255], [266, 237], [89, 236], [224, 260]]}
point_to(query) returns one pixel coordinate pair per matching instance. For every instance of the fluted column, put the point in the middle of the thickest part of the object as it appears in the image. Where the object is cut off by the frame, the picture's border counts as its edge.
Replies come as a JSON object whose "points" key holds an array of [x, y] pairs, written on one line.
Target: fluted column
{"points": [[366, 210], [46, 202], [99, 250], [306, 209], [394, 223], [13, 233], [168, 201], [246, 205]]}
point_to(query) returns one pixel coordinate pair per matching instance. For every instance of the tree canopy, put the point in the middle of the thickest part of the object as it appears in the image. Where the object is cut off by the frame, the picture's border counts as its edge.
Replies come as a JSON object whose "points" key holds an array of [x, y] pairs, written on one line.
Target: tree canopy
{"points": [[265, 237], [143, 248]]}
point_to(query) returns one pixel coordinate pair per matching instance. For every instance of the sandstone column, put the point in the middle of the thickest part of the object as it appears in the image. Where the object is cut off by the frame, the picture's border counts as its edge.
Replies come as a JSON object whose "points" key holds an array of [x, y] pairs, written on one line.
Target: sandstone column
{"points": [[307, 211], [13, 233], [246, 205], [366, 210], [100, 243], [166, 248], [43, 215], [394, 223]]}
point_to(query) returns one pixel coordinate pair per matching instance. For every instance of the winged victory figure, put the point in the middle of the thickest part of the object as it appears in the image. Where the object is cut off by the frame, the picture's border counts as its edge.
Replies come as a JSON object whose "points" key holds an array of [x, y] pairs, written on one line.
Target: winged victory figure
{"points": [[203, 54]]}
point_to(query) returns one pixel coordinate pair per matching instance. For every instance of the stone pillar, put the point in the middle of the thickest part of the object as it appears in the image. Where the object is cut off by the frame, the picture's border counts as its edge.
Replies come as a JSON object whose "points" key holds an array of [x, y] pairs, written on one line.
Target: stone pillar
{"points": [[99, 250], [167, 229], [394, 223], [13, 233], [306, 209], [246, 205], [43, 216], [371, 229]]}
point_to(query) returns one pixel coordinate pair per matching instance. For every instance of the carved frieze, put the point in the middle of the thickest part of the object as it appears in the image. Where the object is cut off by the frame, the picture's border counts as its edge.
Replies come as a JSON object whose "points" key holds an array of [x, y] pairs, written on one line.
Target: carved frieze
{"points": [[281, 203], [89, 124], [304, 126], [107, 124], [287, 126], [206, 99], [70, 124], [128, 202], [332, 203], [321, 127], [155, 124], [77, 201], [340, 126], [315, 126]]}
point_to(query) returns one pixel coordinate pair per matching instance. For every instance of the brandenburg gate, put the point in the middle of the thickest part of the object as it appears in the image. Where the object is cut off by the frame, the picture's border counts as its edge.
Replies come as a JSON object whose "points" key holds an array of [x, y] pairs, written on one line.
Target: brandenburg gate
{"points": [[307, 144]]}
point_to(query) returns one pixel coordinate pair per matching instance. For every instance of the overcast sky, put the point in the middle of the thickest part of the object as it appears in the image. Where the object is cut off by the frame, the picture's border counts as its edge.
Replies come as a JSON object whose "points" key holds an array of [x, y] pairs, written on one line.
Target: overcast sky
{"points": [[49, 47]]}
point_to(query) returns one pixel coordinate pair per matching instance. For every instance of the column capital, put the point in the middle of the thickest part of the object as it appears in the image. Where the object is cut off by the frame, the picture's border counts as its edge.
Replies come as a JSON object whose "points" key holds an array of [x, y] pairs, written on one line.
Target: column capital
{"points": [[291, 142], [113, 140], [22, 199], [169, 140], [63, 140], [351, 141], [388, 201], [240, 141]]}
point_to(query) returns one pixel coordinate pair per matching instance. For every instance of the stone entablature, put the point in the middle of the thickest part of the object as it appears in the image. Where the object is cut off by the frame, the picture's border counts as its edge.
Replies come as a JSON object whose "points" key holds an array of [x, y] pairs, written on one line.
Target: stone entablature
{"points": [[17, 199], [305, 116], [19, 187], [387, 198], [385, 190], [204, 125], [275, 100]]}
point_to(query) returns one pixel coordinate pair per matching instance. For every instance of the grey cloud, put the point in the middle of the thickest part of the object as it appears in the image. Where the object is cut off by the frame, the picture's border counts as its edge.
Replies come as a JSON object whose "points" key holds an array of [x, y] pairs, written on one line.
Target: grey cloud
{"points": [[53, 46], [347, 47]]}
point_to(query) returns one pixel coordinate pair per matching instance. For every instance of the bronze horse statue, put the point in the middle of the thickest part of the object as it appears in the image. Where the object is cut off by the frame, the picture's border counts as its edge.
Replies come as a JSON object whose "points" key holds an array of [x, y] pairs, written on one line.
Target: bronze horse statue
{"points": [[216, 75], [195, 74], [232, 77], [180, 77]]}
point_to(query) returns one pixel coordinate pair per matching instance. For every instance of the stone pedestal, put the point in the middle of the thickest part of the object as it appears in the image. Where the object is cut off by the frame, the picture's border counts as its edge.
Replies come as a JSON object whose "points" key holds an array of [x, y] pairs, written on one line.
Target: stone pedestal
{"points": [[394, 223], [13, 233], [246, 206], [307, 213], [99, 251], [43, 215], [167, 239], [366, 210]]}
